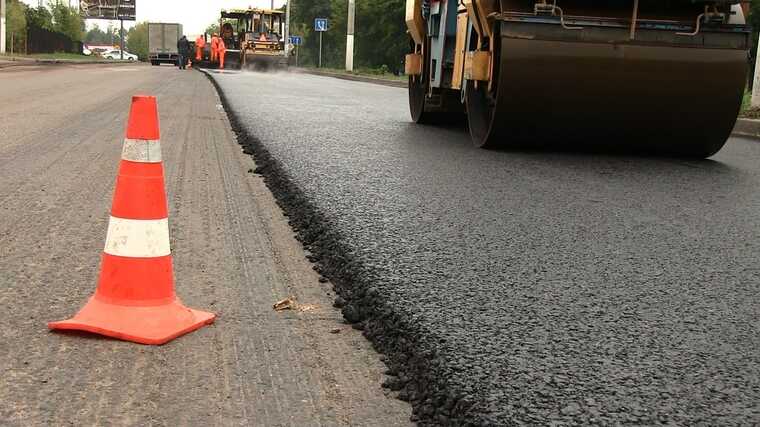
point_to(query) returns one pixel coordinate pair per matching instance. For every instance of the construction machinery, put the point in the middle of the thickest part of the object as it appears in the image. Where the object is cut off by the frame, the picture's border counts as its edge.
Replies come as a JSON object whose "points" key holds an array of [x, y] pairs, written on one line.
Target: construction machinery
{"points": [[254, 38], [644, 75]]}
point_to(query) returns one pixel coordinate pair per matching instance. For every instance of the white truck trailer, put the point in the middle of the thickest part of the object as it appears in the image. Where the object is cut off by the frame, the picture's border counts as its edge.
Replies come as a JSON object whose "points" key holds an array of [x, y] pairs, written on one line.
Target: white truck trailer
{"points": [[162, 42]]}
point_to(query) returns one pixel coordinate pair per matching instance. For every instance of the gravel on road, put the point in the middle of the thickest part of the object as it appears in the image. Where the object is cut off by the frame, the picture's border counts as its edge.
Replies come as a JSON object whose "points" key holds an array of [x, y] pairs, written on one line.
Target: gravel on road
{"points": [[514, 286]]}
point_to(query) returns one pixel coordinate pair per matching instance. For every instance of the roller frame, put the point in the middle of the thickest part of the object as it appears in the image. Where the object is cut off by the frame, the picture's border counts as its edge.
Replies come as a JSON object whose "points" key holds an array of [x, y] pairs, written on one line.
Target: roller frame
{"points": [[717, 50]]}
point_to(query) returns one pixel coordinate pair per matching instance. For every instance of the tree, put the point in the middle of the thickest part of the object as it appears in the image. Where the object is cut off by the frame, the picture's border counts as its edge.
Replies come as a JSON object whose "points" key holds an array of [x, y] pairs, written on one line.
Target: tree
{"points": [[15, 22], [137, 40], [380, 32], [213, 28], [97, 36], [66, 20], [39, 17]]}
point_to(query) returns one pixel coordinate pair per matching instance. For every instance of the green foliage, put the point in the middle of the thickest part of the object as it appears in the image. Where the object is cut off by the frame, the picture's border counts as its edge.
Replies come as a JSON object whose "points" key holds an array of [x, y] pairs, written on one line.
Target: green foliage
{"points": [[15, 21], [15, 17], [137, 40], [754, 20], [380, 32], [383, 40], [101, 37], [39, 17], [66, 20], [213, 28]]}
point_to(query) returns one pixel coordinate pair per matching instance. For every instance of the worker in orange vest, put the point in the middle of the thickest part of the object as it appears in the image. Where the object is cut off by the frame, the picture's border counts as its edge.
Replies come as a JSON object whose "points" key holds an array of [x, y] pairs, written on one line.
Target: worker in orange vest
{"points": [[215, 47], [200, 43], [222, 49]]}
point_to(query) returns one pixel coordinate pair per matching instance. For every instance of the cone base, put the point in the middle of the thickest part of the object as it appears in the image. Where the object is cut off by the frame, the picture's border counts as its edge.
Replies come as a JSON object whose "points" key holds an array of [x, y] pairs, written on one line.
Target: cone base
{"points": [[145, 325]]}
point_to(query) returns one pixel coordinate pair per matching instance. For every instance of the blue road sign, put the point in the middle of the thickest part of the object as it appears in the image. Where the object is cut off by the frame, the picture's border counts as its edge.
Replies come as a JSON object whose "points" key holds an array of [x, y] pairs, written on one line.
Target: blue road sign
{"points": [[296, 40], [320, 24]]}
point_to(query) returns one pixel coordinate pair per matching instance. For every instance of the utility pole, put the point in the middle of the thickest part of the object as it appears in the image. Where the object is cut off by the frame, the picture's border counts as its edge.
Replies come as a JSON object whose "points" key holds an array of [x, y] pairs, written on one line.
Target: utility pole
{"points": [[350, 35], [121, 37], [2, 26], [756, 81], [287, 28]]}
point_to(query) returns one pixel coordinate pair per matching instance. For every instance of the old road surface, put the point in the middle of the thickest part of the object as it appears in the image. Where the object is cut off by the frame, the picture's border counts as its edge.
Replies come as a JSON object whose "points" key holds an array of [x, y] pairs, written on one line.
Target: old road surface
{"points": [[520, 287], [60, 142]]}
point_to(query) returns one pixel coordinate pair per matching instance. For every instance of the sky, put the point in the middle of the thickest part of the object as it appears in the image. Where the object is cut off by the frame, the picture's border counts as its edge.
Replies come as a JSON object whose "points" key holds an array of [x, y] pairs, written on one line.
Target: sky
{"points": [[194, 15]]}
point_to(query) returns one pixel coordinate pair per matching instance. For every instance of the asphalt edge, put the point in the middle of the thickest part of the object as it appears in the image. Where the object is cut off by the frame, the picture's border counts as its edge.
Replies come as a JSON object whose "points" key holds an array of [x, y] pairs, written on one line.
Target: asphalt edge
{"points": [[411, 359], [747, 128], [353, 77]]}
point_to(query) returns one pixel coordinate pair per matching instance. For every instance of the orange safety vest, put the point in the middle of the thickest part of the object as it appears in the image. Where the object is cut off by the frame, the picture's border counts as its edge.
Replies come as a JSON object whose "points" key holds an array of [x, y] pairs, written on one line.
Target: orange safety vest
{"points": [[220, 45], [215, 43], [200, 42]]}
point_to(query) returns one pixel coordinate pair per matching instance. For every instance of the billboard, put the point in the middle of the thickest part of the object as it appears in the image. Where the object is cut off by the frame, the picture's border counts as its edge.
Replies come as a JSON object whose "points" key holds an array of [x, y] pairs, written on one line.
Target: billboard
{"points": [[108, 9]]}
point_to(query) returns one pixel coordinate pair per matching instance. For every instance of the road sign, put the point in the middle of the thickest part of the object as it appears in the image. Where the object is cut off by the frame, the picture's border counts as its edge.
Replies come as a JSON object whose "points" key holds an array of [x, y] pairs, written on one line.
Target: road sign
{"points": [[108, 9], [320, 24], [296, 40]]}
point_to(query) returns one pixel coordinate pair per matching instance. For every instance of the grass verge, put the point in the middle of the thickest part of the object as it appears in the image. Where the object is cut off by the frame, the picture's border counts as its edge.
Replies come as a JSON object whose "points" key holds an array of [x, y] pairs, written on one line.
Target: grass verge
{"points": [[747, 112]]}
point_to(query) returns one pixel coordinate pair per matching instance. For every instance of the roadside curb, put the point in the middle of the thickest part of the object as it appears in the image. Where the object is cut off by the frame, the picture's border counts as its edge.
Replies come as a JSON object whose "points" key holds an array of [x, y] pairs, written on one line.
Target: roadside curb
{"points": [[352, 77], [22, 62], [747, 127]]}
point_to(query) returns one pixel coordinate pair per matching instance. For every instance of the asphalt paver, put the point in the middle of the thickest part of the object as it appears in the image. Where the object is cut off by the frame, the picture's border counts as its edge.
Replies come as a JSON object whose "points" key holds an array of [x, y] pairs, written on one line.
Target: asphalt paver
{"points": [[234, 254], [514, 286]]}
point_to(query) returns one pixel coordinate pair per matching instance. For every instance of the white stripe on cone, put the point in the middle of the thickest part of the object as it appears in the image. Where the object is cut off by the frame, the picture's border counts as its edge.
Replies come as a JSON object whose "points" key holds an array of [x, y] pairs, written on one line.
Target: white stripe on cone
{"points": [[138, 238], [141, 150]]}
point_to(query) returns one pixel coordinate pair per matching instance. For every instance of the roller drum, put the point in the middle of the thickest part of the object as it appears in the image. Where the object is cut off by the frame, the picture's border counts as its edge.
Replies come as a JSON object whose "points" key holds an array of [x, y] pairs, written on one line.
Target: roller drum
{"points": [[670, 99]]}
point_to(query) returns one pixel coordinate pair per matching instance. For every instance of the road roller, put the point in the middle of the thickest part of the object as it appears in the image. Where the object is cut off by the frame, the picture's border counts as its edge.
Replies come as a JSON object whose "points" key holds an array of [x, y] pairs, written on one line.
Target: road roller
{"points": [[664, 76], [253, 38]]}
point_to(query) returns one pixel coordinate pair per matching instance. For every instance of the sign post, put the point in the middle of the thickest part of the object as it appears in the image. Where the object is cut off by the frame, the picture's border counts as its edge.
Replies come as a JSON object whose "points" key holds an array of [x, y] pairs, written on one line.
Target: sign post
{"points": [[350, 36], [287, 25], [296, 41], [320, 26]]}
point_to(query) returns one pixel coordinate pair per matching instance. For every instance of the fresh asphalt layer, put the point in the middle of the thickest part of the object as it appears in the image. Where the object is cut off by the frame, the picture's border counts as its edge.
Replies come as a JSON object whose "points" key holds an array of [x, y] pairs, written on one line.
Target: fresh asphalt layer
{"points": [[519, 287]]}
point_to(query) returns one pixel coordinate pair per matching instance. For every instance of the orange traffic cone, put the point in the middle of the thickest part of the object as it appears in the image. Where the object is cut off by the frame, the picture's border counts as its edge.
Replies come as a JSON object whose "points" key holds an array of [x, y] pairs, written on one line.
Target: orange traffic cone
{"points": [[135, 299]]}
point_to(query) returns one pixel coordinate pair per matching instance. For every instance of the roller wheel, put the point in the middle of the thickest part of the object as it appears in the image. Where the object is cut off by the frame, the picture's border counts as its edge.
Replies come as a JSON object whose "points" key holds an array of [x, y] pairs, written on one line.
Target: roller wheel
{"points": [[418, 89], [482, 102]]}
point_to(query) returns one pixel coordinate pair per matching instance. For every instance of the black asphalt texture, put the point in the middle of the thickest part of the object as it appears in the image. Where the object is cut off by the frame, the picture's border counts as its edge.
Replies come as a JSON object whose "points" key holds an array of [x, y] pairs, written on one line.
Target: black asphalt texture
{"points": [[512, 287]]}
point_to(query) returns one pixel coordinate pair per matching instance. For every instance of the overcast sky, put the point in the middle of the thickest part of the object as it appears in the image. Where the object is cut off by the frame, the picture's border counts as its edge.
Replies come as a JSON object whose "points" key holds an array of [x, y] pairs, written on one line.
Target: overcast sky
{"points": [[194, 15]]}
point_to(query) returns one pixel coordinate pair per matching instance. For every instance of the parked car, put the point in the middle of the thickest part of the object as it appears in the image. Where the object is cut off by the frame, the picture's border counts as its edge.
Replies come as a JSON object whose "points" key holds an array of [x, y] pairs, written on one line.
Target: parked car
{"points": [[86, 52], [115, 54]]}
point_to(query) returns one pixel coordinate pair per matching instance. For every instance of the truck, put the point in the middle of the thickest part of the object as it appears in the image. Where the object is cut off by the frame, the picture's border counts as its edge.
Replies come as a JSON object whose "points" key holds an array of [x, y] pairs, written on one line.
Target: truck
{"points": [[661, 76], [162, 42]]}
